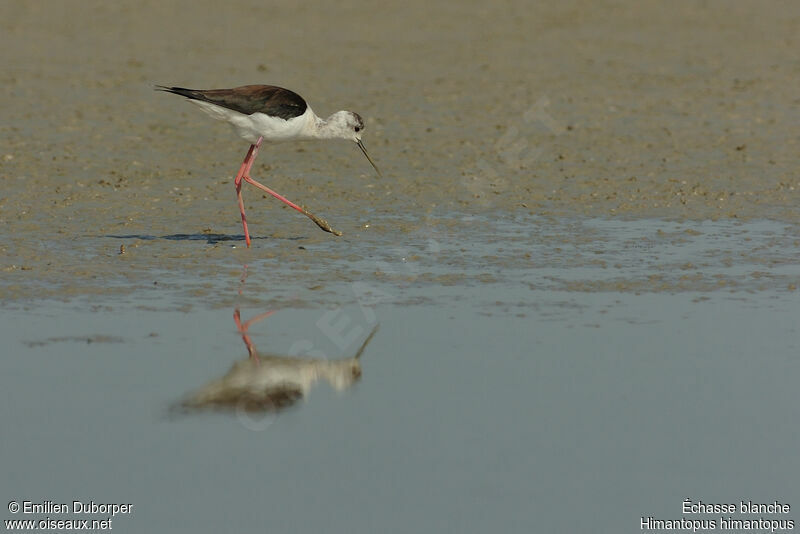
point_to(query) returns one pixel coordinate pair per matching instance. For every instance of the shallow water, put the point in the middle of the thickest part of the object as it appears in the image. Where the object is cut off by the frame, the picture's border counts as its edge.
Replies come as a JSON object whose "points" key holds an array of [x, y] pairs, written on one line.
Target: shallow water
{"points": [[408, 260], [583, 373]]}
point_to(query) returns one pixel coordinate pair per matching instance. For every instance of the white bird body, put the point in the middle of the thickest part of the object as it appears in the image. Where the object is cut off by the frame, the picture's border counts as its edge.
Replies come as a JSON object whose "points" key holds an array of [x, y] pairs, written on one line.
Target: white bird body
{"points": [[272, 383], [272, 129]]}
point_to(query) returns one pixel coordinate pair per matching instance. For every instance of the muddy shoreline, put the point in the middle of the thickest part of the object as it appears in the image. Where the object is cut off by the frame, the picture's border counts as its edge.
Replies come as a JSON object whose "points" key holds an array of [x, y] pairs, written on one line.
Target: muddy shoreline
{"points": [[681, 112]]}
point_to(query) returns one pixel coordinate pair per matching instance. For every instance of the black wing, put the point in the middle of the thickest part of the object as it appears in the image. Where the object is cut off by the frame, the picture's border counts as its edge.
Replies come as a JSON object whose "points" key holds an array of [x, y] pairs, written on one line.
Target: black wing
{"points": [[249, 99]]}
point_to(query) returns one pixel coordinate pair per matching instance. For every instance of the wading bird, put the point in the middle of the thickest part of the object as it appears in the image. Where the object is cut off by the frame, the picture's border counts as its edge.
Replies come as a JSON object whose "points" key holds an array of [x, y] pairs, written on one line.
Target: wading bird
{"points": [[261, 113]]}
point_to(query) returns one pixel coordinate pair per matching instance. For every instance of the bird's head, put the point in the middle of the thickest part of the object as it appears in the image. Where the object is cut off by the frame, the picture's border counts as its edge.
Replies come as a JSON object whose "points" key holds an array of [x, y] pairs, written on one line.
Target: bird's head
{"points": [[349, 125], [346, 125], [342, 374]]}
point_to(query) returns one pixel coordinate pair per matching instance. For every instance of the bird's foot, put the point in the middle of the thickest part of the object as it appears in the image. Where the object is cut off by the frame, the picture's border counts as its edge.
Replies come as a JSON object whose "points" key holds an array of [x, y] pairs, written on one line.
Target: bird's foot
{"points": [[322, 223]]}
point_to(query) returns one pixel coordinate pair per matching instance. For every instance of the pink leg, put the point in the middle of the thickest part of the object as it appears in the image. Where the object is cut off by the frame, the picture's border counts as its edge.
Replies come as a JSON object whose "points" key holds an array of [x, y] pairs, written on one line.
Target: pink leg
{"points": [[244, 174], [322, 223], [242, 328], [244, 170]]}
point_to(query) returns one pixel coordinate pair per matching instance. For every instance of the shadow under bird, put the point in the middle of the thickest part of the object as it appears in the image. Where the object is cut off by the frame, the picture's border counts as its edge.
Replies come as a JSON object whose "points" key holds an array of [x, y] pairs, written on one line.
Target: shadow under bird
{"points": [[271, 383], [273, 114]]}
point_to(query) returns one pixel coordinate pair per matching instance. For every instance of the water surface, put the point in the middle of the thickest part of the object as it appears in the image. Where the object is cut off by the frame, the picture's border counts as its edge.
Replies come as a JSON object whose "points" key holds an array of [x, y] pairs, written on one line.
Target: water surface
{"points": [[575, 374]]}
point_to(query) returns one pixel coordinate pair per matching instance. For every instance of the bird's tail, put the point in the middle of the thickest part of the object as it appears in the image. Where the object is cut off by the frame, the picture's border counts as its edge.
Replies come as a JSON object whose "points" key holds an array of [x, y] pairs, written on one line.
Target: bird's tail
{"points": [[188, 93]]}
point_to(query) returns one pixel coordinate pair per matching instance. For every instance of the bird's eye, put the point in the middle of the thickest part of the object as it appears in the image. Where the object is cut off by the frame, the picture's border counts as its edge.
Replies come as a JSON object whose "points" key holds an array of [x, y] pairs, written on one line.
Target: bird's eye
{"points": [[357, 129]]}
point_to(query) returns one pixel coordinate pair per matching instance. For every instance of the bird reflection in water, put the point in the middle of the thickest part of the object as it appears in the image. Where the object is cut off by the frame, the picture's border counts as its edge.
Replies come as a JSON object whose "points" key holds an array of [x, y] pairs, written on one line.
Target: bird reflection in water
{"points": [[269, 383]]}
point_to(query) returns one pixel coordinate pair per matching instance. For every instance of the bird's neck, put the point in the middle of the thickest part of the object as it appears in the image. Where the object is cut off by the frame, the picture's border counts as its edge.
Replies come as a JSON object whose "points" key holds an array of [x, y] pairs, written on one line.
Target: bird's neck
{"points": [[325, 128]]}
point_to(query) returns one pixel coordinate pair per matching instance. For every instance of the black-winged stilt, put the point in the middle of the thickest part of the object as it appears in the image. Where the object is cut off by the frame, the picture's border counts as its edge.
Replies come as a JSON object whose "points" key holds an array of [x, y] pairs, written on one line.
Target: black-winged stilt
{"points": [[271, 383], [267, 113]]}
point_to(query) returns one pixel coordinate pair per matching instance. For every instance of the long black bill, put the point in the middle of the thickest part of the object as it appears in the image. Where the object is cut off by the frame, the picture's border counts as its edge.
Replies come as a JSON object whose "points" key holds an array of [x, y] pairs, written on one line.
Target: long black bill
{"points": [[364, 150], [366, 341]]}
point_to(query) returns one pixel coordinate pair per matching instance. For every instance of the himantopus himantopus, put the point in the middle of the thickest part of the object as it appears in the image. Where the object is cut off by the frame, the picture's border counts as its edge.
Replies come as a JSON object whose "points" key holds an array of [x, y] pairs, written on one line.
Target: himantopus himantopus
{"points": [[271, 383], [268, 113]]}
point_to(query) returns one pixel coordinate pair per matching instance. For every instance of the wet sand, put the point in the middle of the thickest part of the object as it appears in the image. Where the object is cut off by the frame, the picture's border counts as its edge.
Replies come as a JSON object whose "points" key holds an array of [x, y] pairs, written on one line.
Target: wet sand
{"points": [[678, 111]]}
